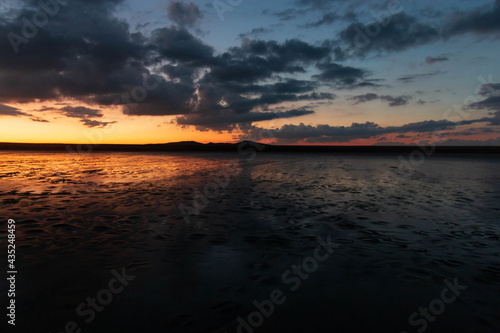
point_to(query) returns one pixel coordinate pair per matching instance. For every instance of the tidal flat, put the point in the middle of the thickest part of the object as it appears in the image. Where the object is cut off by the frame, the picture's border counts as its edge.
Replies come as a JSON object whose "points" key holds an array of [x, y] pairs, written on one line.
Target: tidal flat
{"points": [[286, 242]]}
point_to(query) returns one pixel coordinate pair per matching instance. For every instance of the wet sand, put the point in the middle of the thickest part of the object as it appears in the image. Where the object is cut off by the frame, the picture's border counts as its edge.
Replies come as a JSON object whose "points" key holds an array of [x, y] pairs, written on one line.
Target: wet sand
{"points": [[79, 217]]}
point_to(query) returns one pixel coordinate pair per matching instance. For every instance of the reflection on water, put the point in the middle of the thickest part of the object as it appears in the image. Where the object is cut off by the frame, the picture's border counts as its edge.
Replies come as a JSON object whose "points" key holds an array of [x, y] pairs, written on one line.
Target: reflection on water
{"points": [[81, 216], [51, 172]]}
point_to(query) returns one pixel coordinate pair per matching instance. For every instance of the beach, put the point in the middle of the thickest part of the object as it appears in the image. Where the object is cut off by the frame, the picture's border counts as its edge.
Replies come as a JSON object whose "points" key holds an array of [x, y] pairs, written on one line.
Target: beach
{"points": [[219, 242]]}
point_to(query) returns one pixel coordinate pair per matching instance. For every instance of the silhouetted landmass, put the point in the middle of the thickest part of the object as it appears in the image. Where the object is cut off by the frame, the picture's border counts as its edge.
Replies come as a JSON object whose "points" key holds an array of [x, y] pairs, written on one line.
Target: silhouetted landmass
{"points": [[244, 146]]}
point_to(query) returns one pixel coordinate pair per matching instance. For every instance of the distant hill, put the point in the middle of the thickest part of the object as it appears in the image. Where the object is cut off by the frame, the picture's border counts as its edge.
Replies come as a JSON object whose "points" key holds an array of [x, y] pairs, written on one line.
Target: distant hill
{"points": [[192, 146]]}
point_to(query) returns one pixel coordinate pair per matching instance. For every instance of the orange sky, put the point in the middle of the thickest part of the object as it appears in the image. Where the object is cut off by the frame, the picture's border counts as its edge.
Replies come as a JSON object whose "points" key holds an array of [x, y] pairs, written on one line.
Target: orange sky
{"points": [[150, 129]]}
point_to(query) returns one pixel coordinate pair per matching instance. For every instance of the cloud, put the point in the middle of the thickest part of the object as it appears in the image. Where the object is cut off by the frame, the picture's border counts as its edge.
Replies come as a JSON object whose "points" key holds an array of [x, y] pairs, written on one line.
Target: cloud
{"points": [[489, 89], [317, 4], [431, 60], [69, 56], [85, 115], [479, 21], [308, 6], [289, 14], [327, 19], [495, 121], [460, 142], [402, 32], [393, 101], [6, 110], [491, 92], [80, 112], [235, 83], [39, 120], [364, 98], [258, 60], [227, 120], [104, 64], [413, 77], [340, 75], [472, 131], [256, 32], [326, 133], [490, 103], [95, 123], [184, 14], [179, 45]]}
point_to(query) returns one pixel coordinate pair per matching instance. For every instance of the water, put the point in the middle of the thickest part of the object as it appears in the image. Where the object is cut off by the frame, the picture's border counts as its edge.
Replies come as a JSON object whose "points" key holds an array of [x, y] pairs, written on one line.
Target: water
{"points": [[79, 217]]}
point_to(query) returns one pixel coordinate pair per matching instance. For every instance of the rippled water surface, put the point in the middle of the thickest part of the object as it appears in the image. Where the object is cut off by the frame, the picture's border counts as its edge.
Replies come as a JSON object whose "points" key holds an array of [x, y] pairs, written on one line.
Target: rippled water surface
{"points": [[81, 216]]}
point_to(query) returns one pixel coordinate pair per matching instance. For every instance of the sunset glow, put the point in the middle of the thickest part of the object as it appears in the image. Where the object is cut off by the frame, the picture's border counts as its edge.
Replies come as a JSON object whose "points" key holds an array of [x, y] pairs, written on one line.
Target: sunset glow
{"points": [[150, 72]]}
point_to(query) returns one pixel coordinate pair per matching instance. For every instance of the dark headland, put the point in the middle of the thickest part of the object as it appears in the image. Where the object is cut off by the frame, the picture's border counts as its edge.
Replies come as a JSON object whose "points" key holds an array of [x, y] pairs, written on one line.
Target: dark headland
{"points": [[191, 146]]}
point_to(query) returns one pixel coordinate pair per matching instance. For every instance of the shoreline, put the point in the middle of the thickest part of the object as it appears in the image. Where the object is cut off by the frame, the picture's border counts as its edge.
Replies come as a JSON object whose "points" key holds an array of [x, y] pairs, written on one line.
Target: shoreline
{"points": [[244, 147]]}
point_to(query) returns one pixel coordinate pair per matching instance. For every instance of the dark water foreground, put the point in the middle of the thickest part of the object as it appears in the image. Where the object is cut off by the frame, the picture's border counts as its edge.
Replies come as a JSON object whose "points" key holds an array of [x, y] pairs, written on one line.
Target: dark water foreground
{"points": [[287, 243]]}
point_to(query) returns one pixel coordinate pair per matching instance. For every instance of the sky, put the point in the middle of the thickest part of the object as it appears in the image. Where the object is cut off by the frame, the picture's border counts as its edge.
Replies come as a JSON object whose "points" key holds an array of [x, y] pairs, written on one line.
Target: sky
{"points": [[311, 72]]}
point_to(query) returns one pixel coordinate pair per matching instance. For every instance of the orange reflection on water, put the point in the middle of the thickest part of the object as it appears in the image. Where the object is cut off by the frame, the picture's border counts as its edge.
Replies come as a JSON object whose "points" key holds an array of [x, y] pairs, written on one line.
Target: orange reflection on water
{"points": [[37, 173]]}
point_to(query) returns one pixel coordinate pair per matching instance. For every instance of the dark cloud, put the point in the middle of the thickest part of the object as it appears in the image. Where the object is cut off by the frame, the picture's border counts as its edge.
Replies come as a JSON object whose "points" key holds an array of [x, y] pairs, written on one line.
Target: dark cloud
{"points": [[178, 45], [491, 92], [326, 133], [227, 120], [95, 123], [395, 101], [339, 54], [340, 75], [286, 86], [317, 4], [495, 121], [234, 83], [368, 83], [423, 126], [392, 100], [490, 103], [184, 14], [430, 60], [459, 142], [413, 77], [80, 112], [289, 14], [479, 21], [245, 105], [6, 110], [489, 89], [256, 32], [259, 60], [389, 143], [169, 72], [306, 6], [69, 56], [39, 120], [85, 115], [327, 19], [400, 33], [472, 131], [292, 50], [167, 98], [293, 86], [364, 98]]}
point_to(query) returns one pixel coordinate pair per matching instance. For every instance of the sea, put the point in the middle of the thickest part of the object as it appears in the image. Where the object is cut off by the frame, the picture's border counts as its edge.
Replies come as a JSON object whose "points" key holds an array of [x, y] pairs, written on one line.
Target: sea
{"points": [[263, 242]]}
